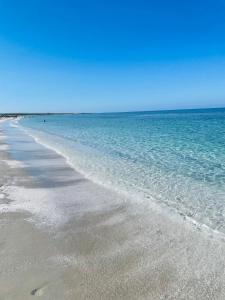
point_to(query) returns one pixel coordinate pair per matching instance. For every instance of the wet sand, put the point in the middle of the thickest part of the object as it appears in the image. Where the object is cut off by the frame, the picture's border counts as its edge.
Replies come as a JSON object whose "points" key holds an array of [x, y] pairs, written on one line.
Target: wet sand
{"points": [[64, 237]]}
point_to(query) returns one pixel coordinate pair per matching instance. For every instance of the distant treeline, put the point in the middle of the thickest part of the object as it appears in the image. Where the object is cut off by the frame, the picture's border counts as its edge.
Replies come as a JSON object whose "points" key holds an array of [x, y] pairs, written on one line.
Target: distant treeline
{"points": [[15, 115]]}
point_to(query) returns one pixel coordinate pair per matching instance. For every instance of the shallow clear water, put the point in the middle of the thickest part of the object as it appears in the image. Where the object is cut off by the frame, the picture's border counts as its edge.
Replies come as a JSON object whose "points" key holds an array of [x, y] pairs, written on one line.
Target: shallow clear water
{"points": [[174, 159]]}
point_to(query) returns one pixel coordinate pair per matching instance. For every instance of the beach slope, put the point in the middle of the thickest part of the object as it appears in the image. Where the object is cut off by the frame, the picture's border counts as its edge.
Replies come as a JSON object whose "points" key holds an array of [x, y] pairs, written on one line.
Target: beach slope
{"points": [[65, 237]]}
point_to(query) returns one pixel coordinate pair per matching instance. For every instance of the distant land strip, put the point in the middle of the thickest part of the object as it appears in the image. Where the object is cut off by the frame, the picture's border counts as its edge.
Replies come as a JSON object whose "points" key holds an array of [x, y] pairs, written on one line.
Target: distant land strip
{"points": [[16, 115]]}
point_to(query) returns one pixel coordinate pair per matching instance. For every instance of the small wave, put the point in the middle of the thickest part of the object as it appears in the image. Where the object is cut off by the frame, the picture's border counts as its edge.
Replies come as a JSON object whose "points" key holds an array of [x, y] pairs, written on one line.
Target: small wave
{"points": [[160, 162]]}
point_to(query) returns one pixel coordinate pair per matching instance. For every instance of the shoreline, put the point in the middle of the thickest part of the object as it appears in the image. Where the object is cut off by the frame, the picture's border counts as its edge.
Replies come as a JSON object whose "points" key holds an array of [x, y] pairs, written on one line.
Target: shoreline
{"points": [[150, 205], [89, 243]]}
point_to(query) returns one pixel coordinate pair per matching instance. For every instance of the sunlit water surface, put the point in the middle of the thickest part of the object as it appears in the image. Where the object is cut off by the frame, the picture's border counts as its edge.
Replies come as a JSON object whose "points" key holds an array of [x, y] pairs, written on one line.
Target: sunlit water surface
{"points": [[170, 159]]}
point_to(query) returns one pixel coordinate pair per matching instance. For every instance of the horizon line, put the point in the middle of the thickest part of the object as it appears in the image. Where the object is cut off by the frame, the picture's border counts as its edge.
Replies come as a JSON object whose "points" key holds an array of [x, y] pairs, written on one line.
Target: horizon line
{"points": [[107, 112]]}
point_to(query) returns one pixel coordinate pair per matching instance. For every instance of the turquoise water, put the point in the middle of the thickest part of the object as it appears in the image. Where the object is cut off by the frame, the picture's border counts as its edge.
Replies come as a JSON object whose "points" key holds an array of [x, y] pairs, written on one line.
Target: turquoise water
{"points": [[174, 159]]}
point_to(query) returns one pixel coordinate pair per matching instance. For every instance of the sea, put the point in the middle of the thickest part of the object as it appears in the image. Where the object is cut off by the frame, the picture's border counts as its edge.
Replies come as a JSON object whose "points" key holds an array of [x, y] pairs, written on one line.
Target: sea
{"points": [[169, 160]]}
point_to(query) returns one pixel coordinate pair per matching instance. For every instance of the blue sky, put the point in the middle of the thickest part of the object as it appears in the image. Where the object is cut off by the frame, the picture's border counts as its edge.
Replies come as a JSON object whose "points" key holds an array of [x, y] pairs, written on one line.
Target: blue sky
{"points": [[81, 56]]}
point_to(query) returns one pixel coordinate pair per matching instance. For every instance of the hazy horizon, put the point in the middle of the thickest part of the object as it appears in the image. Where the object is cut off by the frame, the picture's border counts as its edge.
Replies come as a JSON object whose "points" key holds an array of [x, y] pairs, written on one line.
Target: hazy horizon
{"points": [[111, 112]]}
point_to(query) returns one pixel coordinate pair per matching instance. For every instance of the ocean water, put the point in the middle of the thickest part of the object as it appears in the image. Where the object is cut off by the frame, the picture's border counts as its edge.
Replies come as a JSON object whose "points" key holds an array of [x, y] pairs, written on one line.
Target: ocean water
{"points": [[173, 159]]}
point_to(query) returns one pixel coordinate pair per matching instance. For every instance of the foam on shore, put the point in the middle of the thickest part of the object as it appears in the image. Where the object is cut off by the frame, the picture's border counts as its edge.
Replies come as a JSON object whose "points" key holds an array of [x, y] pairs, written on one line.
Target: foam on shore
{"points": [[144, 202]]}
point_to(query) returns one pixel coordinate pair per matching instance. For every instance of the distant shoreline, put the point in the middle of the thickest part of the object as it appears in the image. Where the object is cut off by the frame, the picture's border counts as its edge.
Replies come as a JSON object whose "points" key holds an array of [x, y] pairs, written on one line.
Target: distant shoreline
{"points": [[16, 115]]}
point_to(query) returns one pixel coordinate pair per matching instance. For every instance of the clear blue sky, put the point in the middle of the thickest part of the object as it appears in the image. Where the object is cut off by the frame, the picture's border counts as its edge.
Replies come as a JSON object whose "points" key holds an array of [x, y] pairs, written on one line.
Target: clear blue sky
{"points": [[118, 55]]}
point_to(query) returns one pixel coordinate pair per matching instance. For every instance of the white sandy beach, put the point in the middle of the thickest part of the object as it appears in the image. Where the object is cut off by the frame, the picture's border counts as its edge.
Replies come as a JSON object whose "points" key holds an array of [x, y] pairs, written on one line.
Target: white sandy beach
{"points": [[64, 237]]}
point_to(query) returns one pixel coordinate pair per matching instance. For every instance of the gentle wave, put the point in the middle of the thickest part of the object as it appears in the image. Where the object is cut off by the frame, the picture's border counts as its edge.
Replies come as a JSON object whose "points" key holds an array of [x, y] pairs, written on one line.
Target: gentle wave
{"points": [[174, 160]]}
